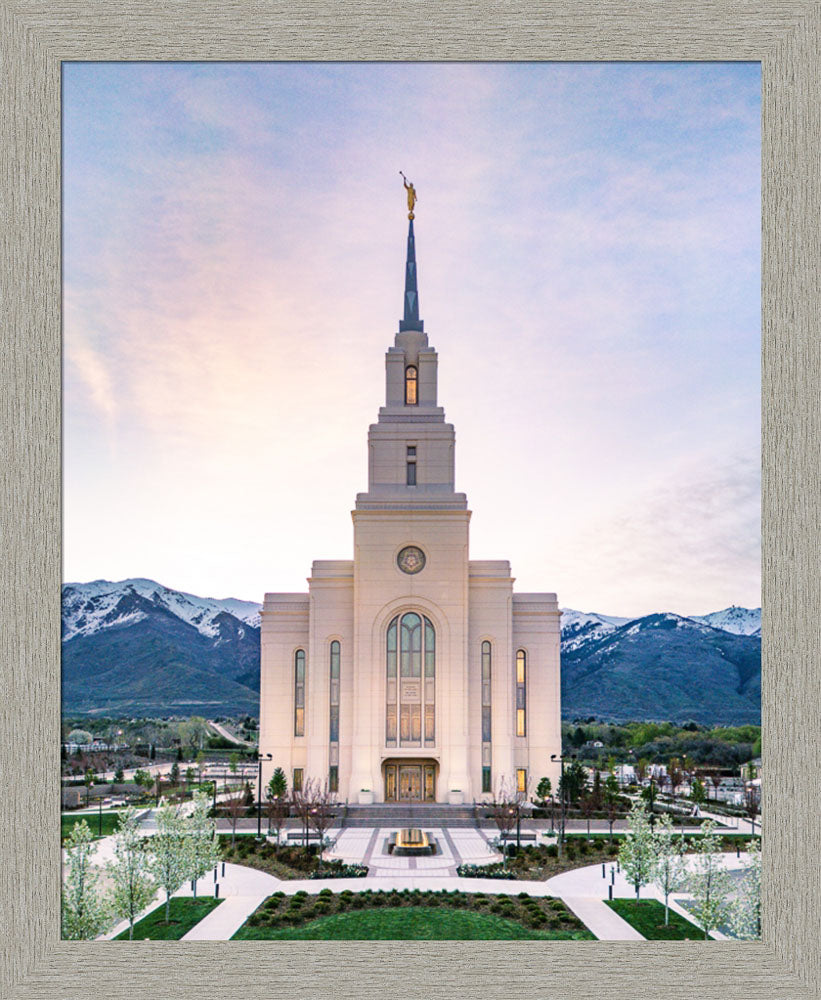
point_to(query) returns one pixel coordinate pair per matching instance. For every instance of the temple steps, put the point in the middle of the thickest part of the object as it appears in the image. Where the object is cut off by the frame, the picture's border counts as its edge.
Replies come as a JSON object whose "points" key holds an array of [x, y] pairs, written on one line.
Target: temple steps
{"points": [[409, 814]]}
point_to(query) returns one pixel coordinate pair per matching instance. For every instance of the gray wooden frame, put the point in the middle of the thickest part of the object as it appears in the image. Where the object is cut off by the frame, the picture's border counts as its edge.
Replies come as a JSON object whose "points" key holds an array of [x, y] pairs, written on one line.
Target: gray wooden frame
{"points": [[34, 38]]}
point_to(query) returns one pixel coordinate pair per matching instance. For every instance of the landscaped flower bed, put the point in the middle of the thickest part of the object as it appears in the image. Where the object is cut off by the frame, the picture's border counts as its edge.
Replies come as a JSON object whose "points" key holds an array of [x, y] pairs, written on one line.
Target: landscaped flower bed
{"points": [[287, 862], [280, 911]]}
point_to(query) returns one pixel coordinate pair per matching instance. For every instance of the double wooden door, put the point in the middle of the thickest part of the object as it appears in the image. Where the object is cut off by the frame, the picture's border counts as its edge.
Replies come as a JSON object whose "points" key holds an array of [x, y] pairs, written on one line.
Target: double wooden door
{"points": [[410, 783]]}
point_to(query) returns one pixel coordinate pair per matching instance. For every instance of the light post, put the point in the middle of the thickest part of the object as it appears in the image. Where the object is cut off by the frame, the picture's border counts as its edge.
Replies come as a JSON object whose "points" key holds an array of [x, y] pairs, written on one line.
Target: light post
{"points": [[268, 756], [562, 758]]}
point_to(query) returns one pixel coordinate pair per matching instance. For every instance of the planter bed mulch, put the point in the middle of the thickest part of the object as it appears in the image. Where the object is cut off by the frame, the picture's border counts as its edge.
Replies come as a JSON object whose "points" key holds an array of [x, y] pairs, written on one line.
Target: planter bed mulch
{"points": [[280, 914]]}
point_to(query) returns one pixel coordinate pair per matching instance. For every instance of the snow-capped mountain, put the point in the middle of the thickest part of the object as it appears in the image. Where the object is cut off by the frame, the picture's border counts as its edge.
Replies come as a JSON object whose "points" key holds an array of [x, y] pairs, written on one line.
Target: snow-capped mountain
{"points": [[90, 607], [579, 627], [739, 621], [137, 647]]}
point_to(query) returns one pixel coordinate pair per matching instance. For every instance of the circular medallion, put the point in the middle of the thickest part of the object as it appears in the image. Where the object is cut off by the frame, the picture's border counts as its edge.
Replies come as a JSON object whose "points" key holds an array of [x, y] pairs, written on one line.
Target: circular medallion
{"points": [[411, 559]]}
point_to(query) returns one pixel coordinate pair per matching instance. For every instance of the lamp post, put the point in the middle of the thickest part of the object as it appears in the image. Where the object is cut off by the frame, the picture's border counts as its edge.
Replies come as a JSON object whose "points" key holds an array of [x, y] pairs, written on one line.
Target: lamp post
{"points": [[562, 758], [268, 756]]}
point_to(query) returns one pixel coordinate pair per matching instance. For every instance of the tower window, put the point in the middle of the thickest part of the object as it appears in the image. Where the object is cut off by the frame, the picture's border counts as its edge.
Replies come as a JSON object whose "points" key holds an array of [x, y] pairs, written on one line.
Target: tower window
{"points": [[521, 780], [521, 693], [411, 385], [410, 477], [486, 784], [299, 692]]}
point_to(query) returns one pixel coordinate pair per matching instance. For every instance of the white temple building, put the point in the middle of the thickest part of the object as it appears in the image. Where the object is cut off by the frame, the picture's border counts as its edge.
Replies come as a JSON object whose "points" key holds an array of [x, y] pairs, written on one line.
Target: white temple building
{"points": [[411, 672]]}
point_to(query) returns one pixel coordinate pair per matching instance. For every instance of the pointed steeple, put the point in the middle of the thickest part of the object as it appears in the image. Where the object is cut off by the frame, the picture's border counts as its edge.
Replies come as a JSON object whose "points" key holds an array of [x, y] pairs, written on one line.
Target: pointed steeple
{"points": [[411, 320]]}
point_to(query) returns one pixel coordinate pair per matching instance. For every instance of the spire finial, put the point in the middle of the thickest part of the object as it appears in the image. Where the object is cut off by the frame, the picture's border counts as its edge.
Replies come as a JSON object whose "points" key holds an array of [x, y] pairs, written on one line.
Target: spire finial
{"points": [[411, 195]]}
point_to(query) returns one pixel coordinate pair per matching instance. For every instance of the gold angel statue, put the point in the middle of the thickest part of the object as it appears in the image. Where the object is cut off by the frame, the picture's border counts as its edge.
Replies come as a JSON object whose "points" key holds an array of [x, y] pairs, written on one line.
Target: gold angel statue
{"points": [[411, 194]]}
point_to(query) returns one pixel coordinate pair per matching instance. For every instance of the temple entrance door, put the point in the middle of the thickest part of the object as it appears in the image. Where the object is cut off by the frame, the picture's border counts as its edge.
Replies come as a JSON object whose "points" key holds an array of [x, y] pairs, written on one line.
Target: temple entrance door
{"points": [[390, 783], [410, 783]]}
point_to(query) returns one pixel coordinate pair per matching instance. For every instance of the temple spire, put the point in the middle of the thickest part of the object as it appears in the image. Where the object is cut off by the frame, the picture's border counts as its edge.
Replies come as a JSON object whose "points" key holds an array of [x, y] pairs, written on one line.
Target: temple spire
{"points": [[410, 320]]}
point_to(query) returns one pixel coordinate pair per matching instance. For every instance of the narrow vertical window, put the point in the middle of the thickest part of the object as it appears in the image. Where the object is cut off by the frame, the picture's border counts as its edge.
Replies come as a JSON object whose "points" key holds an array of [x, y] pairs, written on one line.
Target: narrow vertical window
{"points": [[486, 655], [410, 466], [521, 780], [296, 783], [521, 693], [299, 692], [486, 786], [334, 672], [411, 384], [333, 778]]}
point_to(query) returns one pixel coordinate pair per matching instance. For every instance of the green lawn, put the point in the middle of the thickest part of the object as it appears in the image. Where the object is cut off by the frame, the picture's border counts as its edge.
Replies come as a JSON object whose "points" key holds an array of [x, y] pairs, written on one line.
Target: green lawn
{"points": [[185, 913], [69, 820], [406, 923], [647, 916]]}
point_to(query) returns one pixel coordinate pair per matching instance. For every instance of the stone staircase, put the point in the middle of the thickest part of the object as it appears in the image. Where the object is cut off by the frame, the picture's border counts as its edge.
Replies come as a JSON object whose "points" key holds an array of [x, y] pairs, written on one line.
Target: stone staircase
{"points": [[409, 814]]}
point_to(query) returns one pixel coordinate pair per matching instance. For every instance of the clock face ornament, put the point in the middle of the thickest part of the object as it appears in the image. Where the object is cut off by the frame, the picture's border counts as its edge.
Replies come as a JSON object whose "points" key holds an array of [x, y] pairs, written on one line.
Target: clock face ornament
{"points": [[411, 559]]}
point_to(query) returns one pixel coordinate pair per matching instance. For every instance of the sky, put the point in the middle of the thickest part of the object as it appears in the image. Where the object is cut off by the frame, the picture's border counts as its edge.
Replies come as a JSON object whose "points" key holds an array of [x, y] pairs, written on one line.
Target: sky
{"points": [[588, 247]]}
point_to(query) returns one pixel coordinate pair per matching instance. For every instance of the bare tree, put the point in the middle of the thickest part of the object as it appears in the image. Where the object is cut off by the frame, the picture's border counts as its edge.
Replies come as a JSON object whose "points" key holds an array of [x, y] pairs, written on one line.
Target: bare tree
{"points": [[675, 774], [236, 807], [505, 809], [752, 803], [715, 778], [320, 811], [587, 804], [277, 809]]}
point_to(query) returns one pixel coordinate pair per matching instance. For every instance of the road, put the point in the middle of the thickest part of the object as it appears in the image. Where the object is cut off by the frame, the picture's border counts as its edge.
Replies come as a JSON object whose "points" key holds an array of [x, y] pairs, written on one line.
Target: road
{"points": [[229, 736]]}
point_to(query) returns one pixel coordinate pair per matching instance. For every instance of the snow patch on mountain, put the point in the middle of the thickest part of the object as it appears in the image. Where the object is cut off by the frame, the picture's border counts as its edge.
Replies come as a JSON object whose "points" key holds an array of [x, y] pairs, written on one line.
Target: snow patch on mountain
{"points": [[90, 607], [740, 621]]}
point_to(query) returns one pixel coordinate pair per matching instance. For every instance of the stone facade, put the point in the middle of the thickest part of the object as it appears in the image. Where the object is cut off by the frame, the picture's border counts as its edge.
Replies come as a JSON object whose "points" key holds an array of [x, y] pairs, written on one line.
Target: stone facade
{"points": [[411, 672]]}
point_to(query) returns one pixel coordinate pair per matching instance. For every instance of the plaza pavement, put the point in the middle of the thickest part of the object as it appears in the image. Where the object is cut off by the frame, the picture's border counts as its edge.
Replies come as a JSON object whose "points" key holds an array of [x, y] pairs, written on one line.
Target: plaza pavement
{"points": [[583, 890]]}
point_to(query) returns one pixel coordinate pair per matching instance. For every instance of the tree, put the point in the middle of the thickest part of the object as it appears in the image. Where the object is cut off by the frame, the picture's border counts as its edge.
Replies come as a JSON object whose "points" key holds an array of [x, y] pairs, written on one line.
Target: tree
{"points": [[179, 753], [543, 790], [277, 809], [715, 778], [152, 753], [637, 852], [505, 811], [170, 857], [320, 804], [79, 736], [649, 793], [752, 803], [84, 913], [698, 793], [640, 768], [88, 779], [248, 795], [745, 912], [235, 805], [675, 774], [596, 791], [278, 785], [573, 783], [200, 759], [611, 800], [193, 732], [143, 779], [709, 883], [203, 848], [133, 888], [190, 775], [119, 776], [588, 807], [669, 869], [175, 773]]}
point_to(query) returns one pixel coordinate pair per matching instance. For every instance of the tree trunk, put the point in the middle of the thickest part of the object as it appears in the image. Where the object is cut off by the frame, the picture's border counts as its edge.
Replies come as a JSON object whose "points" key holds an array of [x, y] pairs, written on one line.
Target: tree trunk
{"points": [[167, 907]]}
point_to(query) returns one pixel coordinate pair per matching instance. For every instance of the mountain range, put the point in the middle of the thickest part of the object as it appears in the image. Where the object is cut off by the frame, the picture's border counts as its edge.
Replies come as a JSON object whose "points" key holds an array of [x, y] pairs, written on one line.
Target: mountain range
{"points": [[138, 648]]}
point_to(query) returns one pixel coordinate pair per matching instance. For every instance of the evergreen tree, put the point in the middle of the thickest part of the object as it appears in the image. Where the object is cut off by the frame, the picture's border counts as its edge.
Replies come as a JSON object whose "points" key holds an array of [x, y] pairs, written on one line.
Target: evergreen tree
{"points": [[278, 785], [119, 776], [670, 869], [709, 882], [84, 913], [637, 852], [745, 915], [132, 886]]}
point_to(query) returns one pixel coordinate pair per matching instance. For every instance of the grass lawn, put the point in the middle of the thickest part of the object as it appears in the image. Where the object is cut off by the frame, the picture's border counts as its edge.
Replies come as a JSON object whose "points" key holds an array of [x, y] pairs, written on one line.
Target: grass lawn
{"points": [[185, 913], [647, 916], [69, 820], [406, 923]]}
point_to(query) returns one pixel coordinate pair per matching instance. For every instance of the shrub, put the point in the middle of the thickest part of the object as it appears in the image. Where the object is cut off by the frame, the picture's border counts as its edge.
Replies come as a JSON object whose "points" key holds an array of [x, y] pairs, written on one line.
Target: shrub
{"points": [[552, 851], [359, 901], [326, 892]]}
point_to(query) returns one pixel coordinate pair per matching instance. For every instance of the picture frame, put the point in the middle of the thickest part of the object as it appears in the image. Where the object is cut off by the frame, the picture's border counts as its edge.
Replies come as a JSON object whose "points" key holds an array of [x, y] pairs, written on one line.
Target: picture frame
{"points": [[35, 37]]}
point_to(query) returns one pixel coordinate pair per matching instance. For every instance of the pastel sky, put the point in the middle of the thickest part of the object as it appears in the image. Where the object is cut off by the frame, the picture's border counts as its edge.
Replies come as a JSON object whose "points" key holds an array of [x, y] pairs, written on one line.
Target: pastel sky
{"points": [[588, 250]]}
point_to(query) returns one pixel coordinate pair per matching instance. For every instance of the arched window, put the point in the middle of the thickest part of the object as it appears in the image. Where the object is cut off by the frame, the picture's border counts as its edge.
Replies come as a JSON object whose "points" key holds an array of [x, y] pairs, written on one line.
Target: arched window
{"points": [[411, 385], [521, 693], [299, 692], [410, 710]]}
